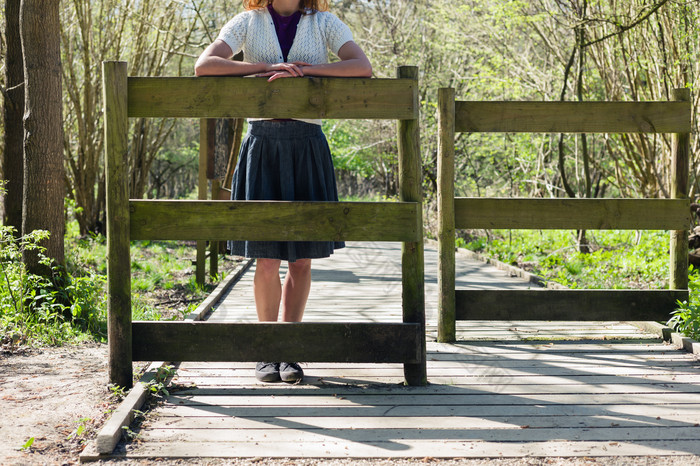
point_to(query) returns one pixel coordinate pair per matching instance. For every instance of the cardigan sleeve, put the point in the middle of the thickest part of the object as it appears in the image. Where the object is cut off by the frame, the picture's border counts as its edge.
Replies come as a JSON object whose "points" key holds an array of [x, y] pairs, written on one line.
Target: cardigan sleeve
{"points": [[337, 32], [234, 32]]}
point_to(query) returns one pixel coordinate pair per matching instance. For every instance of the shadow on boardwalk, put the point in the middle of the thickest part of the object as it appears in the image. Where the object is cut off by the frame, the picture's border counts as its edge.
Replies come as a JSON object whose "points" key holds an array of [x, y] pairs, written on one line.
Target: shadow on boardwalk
{"points": [[507, 389]]}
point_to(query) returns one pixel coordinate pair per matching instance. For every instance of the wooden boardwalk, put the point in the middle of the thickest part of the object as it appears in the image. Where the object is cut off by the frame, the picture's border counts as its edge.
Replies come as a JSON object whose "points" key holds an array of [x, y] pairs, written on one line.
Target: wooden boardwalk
{"points": [[507, 389]]}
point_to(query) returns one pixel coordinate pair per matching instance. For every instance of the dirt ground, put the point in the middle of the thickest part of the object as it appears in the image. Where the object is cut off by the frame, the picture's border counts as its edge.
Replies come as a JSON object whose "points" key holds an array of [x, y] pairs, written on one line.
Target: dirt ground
{"points": [[48, 394]]}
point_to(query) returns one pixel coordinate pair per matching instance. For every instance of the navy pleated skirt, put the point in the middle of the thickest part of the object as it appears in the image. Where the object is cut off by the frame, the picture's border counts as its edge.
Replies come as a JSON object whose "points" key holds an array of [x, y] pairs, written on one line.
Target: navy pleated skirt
{"points": [[284, 161]]}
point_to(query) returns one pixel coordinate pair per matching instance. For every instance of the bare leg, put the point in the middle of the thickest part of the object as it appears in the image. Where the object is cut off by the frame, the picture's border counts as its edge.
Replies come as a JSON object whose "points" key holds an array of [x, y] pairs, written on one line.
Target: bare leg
{"points": [[267, 289], [296, 288]]}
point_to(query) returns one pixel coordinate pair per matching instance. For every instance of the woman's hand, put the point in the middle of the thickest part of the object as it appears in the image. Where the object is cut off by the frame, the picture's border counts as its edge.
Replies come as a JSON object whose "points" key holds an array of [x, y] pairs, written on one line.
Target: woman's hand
{"points": [[284, 70]]}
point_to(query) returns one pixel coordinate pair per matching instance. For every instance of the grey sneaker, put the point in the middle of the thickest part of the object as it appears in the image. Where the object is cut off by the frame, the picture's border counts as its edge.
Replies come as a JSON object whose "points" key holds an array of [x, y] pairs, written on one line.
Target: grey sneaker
{"points": [[267, 371], [291, 372]]}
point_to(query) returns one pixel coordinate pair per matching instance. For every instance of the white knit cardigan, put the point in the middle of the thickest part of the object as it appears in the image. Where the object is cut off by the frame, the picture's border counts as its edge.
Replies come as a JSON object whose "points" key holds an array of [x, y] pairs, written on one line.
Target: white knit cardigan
{"points": [[253, 31]]}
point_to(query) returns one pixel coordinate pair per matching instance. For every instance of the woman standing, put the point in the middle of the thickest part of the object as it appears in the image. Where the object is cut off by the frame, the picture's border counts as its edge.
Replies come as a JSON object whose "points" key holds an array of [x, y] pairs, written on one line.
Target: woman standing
{"points": [[286, 160]]}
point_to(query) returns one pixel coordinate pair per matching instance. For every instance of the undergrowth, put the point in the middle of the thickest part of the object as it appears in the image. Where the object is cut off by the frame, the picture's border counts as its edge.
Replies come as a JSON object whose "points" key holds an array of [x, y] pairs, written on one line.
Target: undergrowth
{"points": [[44, 310], [618, 260], [70, 307]]}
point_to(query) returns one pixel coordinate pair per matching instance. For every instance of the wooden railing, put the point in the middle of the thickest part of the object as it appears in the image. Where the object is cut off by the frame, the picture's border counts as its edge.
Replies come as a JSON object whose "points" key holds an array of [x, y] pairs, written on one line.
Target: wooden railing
{"points": [[231, 97], [588, 214]]}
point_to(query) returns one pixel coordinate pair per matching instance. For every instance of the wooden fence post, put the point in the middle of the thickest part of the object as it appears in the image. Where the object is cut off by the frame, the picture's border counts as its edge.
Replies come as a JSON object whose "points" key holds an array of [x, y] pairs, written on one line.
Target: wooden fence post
{"points": [[680, 166], [446, 215], [116, 122], [202, 188], [214, 245], [410, 181]]}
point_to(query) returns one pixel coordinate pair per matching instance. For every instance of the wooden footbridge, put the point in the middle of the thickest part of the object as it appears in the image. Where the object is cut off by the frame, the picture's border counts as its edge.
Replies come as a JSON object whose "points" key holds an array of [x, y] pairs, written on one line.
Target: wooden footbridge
{"points": [[505, 389], [407, 354]]}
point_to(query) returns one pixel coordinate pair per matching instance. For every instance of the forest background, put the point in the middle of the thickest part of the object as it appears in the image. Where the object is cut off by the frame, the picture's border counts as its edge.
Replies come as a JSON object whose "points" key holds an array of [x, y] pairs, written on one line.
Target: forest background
{"points": [[543, 50]]}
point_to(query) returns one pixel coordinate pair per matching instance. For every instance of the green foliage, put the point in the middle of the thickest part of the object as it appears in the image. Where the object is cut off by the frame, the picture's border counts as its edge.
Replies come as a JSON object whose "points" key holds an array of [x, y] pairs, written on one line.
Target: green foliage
{"points": [[71, 306], [80, 430], [28, 444], [41, 310], [117, 392], [686, 319], [158, 387], [620, 259]]}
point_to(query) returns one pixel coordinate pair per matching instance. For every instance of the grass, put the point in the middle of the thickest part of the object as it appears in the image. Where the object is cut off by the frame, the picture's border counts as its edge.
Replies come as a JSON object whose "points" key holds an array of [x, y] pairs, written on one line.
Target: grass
{"points": [[41, 312], [618, 260]]}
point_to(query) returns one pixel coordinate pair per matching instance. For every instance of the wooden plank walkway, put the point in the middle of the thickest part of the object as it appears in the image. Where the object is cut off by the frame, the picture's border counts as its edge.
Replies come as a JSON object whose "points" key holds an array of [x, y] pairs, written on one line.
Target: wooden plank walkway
{"points": [[509, 389]]}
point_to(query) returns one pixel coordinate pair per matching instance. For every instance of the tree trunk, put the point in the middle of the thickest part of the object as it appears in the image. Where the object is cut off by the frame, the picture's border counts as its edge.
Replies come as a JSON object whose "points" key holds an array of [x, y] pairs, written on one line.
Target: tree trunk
{"points": [[44, 179], [13, 163]]}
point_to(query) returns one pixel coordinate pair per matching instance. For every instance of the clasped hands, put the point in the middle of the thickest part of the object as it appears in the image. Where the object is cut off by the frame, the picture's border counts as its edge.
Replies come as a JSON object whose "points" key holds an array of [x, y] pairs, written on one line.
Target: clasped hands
{"points": [[284, 70]]}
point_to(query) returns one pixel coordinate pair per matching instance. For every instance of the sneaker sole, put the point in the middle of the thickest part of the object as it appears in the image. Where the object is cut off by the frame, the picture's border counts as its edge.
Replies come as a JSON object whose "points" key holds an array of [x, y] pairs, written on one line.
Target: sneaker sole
{"points": [[268, 377], [291, 378]]}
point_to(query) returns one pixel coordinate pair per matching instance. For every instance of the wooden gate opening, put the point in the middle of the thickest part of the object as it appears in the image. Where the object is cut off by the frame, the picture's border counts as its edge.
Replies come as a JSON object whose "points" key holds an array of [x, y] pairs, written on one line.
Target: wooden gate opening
{"points": [[235, 97], [561, 213]]}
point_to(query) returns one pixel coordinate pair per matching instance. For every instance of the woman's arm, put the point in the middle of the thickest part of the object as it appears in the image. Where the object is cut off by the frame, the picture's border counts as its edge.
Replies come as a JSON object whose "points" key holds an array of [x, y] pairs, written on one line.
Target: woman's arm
{"points": [[216, 61], [353, 64]]}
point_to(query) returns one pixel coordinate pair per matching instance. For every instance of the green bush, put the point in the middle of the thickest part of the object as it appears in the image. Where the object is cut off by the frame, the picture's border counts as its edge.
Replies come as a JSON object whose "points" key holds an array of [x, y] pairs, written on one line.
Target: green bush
{"points": [[619, 258], [45, 310], [686, 319]]}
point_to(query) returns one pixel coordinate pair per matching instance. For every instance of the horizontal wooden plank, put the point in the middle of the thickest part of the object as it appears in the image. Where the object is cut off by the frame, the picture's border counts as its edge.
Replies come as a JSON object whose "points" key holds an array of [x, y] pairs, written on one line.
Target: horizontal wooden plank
{"points": [[573, 117], [204, 341], [655, 305], [335, 447], [525, 359], [519, 389], [503, 421], [486, 370], [569, 214], [645, 412], [483, 380], [471, 367], [334, 401], [299, 433], [275, 220], [588, 349], [235, 97]]}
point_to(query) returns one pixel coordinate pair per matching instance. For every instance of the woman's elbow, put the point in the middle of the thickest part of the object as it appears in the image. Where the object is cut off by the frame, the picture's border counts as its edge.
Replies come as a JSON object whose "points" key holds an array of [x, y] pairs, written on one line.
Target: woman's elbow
{"points": [[203, 66], [199, 68], [366, 70]]}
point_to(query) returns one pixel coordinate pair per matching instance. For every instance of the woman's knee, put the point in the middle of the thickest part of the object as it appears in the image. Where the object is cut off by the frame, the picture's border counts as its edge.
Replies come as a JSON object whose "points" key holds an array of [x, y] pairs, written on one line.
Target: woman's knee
{"points": [[267, 266], [300, 266]]}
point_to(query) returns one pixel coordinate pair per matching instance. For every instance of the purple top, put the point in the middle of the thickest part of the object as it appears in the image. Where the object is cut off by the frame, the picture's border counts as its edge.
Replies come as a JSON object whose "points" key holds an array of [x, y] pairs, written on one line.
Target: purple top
{"points": [[286, 29]]}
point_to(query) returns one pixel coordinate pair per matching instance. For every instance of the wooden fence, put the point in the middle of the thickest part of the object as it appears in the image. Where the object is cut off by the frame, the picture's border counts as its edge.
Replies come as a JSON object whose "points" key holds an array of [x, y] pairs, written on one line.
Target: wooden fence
{"points": [[233, 97], [650, 214]]}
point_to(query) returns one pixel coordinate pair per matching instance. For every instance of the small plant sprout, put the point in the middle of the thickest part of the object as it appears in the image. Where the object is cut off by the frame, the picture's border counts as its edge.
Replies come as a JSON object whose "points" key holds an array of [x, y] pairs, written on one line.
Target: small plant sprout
{"points": [[116, 392], [128, 433], [158, 386], [28, 444], [80, 430]]}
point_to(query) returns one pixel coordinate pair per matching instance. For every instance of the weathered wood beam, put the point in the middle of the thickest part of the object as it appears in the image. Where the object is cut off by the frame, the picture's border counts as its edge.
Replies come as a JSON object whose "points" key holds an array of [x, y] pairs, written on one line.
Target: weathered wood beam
{"points": [[446, 215], [569, 214], [235, 97], [680, 180], [275, 220], [573, 117], [202, 188], [308, 342], [567, 305], [412, 263], [118, 241]]}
